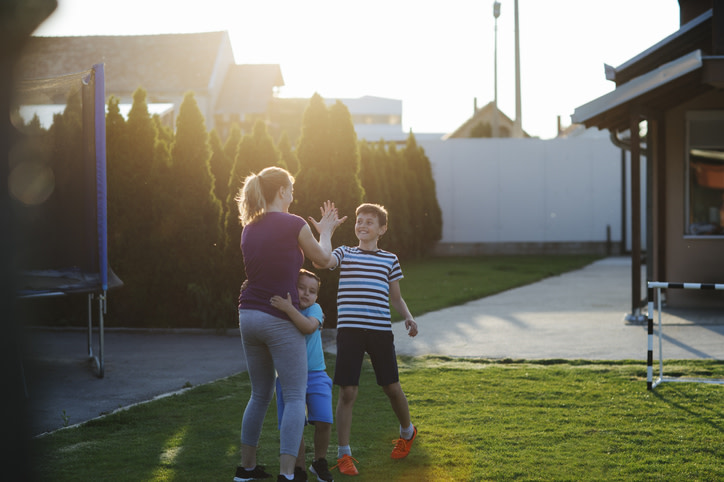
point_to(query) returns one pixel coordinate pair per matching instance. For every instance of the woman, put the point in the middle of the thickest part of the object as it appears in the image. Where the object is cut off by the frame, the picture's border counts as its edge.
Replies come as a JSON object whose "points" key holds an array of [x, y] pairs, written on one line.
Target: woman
{"points": [[274, 243]]}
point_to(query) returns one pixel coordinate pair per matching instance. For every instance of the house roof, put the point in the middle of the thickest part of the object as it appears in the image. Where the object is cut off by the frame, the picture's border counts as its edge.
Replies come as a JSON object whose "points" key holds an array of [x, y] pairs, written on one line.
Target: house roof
{"points": [[158, 63], [247, 88], [682, 66], [484, 114]]}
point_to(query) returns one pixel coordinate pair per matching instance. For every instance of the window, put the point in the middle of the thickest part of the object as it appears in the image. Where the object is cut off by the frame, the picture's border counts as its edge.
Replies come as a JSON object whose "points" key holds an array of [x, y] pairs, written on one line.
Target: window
{"points": [[705, 173]]}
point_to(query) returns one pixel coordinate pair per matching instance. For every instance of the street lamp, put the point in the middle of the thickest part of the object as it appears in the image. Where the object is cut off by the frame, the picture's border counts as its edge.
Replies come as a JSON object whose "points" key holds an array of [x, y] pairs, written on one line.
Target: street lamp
{"points": [[496, 124]]}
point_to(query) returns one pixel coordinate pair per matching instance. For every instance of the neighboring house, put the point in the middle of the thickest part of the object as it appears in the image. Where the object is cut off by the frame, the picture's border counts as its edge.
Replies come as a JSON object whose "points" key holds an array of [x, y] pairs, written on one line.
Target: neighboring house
{"points": [[167, 66], [482, 123], [374, 118], [676, 87]]}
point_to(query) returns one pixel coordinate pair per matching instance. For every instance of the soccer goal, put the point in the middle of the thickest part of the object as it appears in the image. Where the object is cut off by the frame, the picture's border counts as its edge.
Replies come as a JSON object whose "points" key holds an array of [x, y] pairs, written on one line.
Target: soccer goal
{"points": [[650, 382], [57, 184]]}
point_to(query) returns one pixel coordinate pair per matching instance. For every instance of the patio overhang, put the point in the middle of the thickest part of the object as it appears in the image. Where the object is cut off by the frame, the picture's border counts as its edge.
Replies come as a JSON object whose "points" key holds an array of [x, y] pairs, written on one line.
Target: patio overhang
{"points": [[653, 92]]}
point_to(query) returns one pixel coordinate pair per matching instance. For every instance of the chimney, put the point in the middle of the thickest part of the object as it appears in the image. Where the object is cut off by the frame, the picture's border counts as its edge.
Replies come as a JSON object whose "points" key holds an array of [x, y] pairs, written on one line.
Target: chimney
{"points": [[475, 105]]}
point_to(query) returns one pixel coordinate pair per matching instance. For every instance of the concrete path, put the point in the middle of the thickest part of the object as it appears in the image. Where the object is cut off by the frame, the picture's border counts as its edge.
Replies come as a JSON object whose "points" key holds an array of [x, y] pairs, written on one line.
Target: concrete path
{"points": [[579, 315]]}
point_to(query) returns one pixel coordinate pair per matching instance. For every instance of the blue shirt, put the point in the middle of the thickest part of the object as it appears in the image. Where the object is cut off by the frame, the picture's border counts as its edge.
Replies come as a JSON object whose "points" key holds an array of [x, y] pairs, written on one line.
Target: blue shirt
{"points": [[315, 352]]}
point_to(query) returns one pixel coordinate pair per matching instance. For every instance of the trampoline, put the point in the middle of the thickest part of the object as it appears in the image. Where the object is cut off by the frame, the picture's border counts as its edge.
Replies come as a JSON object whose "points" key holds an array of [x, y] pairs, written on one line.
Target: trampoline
{"points": [[58, 189]]}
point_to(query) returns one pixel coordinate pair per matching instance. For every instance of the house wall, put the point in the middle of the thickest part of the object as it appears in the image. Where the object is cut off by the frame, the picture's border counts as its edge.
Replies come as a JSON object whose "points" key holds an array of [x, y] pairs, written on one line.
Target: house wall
{"points": [[690, 259], [528, 195]]}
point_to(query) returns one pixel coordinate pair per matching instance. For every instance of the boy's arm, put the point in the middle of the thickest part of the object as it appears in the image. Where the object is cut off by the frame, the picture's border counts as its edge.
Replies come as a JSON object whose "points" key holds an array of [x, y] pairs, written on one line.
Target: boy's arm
{"points": [[399, 304], [305, 324]]}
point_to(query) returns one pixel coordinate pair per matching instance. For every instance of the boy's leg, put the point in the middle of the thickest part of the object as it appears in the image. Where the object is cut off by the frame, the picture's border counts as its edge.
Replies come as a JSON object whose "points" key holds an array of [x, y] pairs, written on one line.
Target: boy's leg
{"points": [[345, 403], [408, 433], [351, 347], [319, 410], [398, 400], [322, 434], [384, 362]]}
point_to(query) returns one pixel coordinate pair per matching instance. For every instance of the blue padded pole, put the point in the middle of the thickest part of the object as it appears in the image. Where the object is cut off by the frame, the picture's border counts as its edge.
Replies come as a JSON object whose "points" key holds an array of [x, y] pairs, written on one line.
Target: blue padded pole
{"points": [[100, 142]]}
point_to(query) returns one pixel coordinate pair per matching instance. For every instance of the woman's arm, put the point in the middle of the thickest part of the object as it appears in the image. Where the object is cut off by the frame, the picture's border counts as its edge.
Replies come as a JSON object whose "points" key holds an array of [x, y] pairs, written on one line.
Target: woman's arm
{"points": [[305, 324], [399, 304]]}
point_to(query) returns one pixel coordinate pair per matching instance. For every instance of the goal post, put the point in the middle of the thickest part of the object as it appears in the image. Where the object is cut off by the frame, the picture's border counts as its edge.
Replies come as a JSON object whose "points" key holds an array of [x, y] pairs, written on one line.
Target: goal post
{"points": [[658, 286]]}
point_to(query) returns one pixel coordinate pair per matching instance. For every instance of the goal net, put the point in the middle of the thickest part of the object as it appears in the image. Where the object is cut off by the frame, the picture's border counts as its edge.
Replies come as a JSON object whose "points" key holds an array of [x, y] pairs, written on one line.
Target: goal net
{"points": [[657, 285]]}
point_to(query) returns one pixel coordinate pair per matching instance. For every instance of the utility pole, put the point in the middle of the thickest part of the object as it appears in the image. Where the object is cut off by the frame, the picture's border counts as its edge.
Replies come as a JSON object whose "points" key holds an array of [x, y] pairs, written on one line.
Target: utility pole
{"points": [[518, 125], [496, 121]]}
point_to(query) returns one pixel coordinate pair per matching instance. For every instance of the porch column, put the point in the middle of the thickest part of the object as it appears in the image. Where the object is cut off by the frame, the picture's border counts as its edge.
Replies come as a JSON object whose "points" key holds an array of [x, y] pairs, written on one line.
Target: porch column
{"points": [[635, 316]]}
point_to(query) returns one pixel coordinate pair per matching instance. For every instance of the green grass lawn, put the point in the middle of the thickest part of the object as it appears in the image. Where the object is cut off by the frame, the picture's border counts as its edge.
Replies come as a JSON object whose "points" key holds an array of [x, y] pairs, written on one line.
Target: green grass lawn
{"points": [[477, 419]]}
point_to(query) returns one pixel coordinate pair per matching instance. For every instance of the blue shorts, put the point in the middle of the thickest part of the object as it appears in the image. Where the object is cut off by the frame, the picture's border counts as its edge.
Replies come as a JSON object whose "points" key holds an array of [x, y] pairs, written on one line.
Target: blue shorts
{"points": [[319, 398], [353, 343]]}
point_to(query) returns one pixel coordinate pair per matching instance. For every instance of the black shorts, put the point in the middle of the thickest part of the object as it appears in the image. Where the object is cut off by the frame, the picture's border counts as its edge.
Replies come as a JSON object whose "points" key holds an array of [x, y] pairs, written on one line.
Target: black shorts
{"points": [[353, 343]]}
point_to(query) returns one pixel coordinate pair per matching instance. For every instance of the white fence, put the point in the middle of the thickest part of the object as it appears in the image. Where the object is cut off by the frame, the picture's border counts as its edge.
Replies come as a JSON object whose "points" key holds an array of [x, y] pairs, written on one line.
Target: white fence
{"points": [[529, 195]]}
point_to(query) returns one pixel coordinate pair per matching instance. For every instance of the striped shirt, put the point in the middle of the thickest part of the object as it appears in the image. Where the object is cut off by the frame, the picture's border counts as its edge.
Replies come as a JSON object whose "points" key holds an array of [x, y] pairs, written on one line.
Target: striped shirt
{"points": [[363, 296]]}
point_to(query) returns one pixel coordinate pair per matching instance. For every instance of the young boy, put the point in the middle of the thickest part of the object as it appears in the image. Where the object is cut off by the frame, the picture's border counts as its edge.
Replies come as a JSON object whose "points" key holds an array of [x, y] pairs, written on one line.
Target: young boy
{"points": [[319, 386], [369, 282]]}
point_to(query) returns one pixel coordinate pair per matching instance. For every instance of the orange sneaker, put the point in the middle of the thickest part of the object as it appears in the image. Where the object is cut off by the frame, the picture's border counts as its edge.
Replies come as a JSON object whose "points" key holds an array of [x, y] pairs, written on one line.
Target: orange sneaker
{"points": [[402, 446], [346, 466]]}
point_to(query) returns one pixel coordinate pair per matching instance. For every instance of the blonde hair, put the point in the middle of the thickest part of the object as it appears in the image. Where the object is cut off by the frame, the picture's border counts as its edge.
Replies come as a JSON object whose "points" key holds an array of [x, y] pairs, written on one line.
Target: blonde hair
{"points": [[259, 190]]}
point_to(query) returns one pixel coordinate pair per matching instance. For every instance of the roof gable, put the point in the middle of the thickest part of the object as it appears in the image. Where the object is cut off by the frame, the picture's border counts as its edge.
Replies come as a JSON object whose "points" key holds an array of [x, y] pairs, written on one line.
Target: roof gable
{"points": [[158, 63], [484, 115]]}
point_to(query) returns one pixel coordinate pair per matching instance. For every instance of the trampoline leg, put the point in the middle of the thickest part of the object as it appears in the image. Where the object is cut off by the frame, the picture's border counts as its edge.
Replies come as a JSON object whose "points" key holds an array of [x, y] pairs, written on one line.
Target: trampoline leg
{"points": [[101, 311], [90, 325]]}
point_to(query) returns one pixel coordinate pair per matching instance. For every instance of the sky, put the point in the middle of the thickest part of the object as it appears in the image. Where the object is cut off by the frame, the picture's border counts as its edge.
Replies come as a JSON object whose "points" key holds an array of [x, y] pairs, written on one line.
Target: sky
{"points": [[437, 56]]}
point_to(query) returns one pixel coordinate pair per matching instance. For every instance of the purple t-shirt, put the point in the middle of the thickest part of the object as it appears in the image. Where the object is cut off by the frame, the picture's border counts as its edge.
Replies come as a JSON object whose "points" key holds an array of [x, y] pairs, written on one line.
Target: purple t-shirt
{"points": [[272, 258]]}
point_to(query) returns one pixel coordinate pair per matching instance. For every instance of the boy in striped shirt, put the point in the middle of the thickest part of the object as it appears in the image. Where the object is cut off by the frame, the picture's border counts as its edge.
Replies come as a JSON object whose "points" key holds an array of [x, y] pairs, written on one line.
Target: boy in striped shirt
{"points": [[369, 282]]}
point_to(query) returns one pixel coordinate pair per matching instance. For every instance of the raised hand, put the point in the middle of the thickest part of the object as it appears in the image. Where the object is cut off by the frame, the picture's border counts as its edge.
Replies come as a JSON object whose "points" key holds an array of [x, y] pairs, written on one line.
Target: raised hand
{"points": [[329, 220]]}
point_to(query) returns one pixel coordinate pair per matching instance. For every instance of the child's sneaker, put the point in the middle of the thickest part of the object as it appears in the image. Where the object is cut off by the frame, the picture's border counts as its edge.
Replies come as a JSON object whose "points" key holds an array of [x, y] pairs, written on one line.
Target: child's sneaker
{"points": [[346, 466], [320, 468], [300, 473], [258, 473], [402, 446]]}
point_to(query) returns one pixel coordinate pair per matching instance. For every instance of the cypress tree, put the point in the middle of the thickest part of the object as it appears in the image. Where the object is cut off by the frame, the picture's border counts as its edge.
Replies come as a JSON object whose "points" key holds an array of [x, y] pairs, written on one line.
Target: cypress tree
{"points": [[328, 170], [67, 160], [288, 156], [118, 179], [191, 224], [220, 165], [231, 151], [133, 249], [399, 233], [430, 212], [415, 206]]}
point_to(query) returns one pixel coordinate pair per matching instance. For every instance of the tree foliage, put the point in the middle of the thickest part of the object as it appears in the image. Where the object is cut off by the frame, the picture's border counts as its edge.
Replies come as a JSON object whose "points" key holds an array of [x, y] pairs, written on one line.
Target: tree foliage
{"points": [[191, 227], [329, 165], [173, 220]]}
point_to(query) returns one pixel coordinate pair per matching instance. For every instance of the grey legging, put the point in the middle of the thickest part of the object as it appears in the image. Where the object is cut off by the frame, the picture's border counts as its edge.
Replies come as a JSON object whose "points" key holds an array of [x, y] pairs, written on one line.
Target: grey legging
{"points": [[270, 344]]}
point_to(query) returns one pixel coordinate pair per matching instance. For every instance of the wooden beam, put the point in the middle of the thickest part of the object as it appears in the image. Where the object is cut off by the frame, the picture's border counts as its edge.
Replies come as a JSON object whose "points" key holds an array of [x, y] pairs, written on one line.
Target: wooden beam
{"points": [[634, 120]]}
